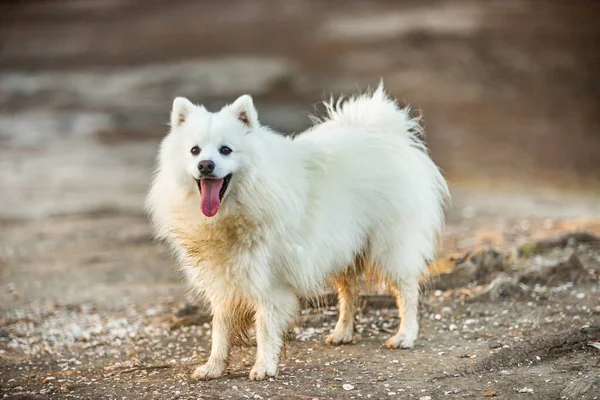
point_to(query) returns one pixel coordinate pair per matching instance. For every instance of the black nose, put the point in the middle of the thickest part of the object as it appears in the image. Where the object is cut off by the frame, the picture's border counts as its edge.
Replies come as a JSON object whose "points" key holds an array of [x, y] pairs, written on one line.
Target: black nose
{"points": [[206, 166]]}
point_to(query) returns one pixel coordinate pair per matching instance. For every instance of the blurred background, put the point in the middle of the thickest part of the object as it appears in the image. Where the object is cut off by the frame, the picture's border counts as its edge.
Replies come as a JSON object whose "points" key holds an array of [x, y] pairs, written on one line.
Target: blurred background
{"points": [[508, 91]]}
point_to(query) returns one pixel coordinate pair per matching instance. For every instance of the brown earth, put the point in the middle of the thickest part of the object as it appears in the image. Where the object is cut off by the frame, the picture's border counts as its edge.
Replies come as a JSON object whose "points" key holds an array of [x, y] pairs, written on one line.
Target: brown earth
{"points": [[91, 350]]}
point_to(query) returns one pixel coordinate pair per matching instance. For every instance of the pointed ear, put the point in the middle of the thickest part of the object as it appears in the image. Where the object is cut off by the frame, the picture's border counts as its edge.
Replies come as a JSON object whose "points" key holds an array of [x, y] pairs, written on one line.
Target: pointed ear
{"points": [[180, 111], [244, 110]]}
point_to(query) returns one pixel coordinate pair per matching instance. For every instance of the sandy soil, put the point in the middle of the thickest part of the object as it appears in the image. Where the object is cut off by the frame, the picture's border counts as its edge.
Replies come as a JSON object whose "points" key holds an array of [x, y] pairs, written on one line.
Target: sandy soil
{"points": [[141, 349]]}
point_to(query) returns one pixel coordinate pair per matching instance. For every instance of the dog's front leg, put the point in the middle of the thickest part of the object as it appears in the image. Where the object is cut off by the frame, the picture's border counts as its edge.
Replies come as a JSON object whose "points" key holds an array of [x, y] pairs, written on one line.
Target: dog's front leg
{"points": [[273, 317], [219, 352]]}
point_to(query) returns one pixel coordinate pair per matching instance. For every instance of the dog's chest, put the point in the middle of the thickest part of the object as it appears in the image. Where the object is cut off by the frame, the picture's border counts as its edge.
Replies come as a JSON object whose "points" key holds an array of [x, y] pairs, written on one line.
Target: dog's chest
{"points": [[220, 245]]}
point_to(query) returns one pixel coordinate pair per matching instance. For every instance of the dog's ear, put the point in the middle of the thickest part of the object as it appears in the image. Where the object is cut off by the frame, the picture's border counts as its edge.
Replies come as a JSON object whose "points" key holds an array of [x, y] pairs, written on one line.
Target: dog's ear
{"points": [[244, 110], [180, 111]]}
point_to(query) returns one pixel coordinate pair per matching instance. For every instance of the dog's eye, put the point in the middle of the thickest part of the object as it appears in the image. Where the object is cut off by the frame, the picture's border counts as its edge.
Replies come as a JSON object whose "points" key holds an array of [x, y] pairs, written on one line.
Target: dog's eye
{"points": [[225, 150], [195, 150]]}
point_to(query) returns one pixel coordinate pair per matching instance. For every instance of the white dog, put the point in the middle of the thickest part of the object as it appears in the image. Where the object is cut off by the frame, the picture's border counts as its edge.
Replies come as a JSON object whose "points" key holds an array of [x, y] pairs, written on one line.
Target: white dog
{"points": [[257, 219]]}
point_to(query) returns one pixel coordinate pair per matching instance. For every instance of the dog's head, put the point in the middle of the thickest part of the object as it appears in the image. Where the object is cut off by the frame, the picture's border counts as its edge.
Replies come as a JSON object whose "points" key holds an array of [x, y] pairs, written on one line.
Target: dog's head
{"points": [[210, 146]]}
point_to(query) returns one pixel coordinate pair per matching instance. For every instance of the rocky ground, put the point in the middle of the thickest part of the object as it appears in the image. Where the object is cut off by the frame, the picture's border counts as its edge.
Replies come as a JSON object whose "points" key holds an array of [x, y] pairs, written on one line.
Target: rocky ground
{"points": [[488, 318], [91, 308]]}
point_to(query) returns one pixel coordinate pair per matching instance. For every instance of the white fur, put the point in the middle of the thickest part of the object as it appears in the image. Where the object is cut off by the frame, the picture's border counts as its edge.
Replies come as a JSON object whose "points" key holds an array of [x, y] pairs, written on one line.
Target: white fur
{"points": [[360, 181]]}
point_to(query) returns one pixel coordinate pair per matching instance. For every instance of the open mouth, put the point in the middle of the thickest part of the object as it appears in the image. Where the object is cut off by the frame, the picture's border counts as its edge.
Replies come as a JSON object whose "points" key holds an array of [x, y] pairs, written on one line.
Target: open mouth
{"points": [[223, 186], [211, 193]]}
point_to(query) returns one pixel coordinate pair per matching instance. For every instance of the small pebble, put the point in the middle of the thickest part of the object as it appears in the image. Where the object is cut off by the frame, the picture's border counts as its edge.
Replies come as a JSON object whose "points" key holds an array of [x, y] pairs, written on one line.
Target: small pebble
{"points": [[525, 390]]}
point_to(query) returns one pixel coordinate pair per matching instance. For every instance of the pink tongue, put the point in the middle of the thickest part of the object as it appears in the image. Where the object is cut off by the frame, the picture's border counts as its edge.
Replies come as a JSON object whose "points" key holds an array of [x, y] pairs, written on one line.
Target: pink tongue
{"points": [[209, 196]]}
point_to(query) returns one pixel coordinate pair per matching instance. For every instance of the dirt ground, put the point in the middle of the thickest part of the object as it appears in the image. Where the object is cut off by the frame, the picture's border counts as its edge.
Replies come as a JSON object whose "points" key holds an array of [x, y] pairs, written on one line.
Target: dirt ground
{"points": [[91, 307], [126, 340]]}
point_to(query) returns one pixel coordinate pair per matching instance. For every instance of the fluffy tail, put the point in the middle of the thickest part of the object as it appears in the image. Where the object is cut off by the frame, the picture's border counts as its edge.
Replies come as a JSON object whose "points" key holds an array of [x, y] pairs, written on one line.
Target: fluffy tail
{"points": [[374, 110]]}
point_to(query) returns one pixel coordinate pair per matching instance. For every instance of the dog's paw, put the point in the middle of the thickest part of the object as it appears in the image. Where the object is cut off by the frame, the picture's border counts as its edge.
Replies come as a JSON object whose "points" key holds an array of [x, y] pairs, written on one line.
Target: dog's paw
{"points": [[336, 338], [261, 372], [399, 341], [208, 371]]}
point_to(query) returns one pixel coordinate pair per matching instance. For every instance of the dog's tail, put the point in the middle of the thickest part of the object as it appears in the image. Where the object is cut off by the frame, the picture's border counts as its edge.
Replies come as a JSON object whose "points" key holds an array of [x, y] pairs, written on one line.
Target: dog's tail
{"points": [[374, 110]]}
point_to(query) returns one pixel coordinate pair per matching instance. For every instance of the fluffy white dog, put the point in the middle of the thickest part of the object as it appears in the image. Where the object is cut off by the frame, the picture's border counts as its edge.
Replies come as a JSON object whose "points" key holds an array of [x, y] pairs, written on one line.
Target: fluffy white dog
{"points": [[257, 219]]}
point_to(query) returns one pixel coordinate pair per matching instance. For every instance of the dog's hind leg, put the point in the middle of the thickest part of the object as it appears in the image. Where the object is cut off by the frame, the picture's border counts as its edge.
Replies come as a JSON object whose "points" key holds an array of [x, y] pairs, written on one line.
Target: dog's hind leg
{"points": [[398, 263], [347, 287], [407, 299]]}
